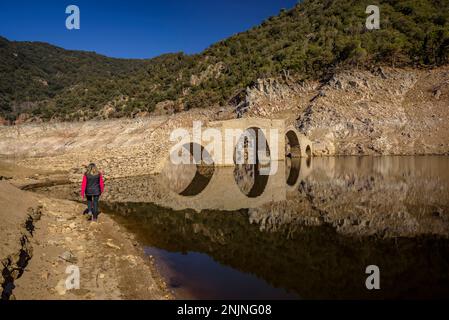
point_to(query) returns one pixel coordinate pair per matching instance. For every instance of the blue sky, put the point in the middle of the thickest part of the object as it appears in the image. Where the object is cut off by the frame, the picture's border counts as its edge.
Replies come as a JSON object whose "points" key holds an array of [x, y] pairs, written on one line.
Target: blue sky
{"points": [[135, 28]]}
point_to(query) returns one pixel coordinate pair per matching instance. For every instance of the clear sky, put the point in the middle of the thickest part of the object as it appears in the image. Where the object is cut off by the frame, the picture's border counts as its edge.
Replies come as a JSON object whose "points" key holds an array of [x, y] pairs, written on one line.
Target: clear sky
{"points": [[135, 28]]}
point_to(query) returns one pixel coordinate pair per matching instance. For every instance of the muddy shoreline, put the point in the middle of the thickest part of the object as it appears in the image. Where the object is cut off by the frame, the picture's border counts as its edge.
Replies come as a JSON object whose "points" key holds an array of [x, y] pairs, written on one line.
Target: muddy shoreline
{"points": [[44, 236]]}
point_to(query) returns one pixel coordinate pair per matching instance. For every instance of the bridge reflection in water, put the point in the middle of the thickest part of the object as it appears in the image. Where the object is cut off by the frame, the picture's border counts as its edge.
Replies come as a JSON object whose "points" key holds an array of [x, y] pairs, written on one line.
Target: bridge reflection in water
{"points": [[230, 188], [309, 231]]}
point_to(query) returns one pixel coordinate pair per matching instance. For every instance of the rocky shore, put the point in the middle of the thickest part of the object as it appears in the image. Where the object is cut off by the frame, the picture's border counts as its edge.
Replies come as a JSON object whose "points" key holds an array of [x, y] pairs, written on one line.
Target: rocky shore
{"points": [[42, 236]]}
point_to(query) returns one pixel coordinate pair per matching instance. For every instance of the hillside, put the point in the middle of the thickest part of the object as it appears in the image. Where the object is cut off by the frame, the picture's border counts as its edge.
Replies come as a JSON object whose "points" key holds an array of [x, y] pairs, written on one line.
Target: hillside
{"points": [[308, 42]]}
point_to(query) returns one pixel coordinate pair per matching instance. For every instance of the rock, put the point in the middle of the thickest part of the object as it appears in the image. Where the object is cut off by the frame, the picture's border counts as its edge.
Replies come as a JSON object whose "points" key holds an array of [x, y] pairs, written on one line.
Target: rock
{"points": [[69, 257], [142, 114], [131, 259], [111, 245], [4, 122], [22, 118], [437, 94], [165, 107], [52, 243], [61, 288], [213, 71]]}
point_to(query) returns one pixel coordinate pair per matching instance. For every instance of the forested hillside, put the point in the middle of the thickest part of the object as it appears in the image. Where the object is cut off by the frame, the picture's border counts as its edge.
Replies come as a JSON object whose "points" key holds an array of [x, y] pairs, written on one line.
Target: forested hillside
{"points": [[310, 41]]}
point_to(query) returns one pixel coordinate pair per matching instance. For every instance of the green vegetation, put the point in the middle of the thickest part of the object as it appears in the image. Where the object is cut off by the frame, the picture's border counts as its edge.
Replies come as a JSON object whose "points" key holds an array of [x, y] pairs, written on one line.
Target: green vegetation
{"points": [[309, 41]]}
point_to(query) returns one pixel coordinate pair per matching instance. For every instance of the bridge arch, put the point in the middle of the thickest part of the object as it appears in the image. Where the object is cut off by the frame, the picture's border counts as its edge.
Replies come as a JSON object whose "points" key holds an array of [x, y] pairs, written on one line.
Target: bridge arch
{"points": [[251, 154], [252, 147], [296, 144], [308, 151], [292, 145]]}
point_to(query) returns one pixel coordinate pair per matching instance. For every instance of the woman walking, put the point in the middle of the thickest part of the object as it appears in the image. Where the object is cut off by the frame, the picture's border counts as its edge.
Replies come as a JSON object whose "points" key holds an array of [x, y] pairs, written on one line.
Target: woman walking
{"points": [[92, 187]]}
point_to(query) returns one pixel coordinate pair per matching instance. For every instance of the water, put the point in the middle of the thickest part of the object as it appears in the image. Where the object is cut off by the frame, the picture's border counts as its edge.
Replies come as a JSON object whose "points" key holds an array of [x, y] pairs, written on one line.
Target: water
{"points": [[309, 231]]}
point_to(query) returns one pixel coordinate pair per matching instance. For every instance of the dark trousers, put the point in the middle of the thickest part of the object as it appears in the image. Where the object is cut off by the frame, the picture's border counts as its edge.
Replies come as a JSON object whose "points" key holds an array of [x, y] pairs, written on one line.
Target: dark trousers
{"points": [[92, 205]]}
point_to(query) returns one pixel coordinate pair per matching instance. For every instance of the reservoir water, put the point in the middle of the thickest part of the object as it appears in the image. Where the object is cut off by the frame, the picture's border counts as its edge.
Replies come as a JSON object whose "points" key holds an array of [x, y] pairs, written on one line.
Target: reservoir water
{"points": [[309, 231]]}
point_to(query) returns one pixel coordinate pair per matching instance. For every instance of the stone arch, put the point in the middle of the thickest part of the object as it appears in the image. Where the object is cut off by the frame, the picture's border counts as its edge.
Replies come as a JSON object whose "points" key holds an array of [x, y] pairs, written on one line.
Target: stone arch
{"points": [[308, 151], [297, 144], [247, 149], [292, 145], [248, 175]]}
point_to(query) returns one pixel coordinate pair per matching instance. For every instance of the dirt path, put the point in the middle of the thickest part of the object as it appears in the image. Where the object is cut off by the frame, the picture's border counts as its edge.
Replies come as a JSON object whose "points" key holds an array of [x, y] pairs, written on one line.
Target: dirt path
{"points": [[110, 263]]}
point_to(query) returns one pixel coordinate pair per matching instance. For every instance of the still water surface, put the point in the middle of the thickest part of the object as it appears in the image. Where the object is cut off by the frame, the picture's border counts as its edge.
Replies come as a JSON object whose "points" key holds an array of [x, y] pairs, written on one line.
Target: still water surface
{"points": [[308, 231]]}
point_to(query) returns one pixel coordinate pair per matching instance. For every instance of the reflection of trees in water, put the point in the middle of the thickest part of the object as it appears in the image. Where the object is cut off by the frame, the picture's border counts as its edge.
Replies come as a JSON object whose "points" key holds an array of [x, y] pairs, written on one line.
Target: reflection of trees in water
{"points": [[371, 203], [388, 196], [315, 262]]}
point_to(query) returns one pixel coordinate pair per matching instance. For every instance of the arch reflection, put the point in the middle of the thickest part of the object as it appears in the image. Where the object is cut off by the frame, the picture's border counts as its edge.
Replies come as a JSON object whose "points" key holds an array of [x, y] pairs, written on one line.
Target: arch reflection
{"points": [[250, 179], [190, 179], [292, 170]]}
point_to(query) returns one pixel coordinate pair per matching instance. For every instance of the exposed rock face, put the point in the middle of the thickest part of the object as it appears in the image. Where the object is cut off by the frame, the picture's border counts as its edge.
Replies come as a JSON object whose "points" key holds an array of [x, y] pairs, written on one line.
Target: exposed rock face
{"points": [[362, 113], [213, 71], [168, 107], [17, 216], [384, 111], [281, 98]]}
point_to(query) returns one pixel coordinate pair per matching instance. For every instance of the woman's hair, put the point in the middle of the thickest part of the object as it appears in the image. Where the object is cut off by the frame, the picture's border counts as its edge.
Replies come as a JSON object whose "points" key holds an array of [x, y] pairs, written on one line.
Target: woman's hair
{"points": [[92, 169]]}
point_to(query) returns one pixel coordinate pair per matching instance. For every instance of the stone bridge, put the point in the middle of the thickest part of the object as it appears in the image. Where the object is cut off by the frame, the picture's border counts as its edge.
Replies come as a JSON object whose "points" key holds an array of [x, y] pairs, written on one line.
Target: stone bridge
{"points": [[226, 184], [222, 143]]}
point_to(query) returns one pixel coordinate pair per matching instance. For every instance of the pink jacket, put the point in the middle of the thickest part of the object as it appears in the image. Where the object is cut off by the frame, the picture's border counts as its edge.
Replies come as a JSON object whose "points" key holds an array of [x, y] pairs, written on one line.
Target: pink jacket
{"points": [[84, 185]]}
